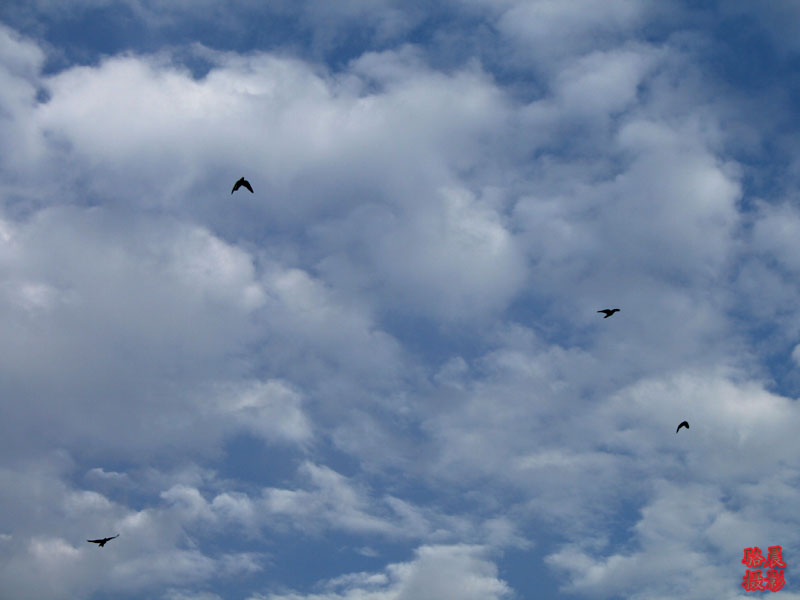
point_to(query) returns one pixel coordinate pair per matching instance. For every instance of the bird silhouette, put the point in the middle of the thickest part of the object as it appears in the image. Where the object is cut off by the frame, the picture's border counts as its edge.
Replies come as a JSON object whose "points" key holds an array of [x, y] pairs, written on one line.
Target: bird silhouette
{"points": [[102, 542], [242, 182], [608, 311], [683, 424]]}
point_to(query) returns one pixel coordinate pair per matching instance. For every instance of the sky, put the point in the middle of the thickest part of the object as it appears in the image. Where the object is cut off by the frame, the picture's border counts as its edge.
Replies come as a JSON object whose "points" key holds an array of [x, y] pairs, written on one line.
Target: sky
{"points": [[383, 376]]}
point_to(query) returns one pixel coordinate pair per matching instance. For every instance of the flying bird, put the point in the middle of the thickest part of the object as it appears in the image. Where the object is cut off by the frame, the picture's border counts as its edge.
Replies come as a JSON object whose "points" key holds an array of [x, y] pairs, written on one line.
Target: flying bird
{"points": [[608, 311], [684, 424], [102, 542], [242, 182]]}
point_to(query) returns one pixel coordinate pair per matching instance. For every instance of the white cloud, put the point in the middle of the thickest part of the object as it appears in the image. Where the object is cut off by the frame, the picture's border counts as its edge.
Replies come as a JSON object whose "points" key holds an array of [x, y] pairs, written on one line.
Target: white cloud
{"points": [[270, 409], [324, 502], [671, 552], [411, 293], [455, 263], [548, 31], [329, 501], [103, 475], [153, 304], [603, 83], [142, 127], [436, 573], [50, 558]]}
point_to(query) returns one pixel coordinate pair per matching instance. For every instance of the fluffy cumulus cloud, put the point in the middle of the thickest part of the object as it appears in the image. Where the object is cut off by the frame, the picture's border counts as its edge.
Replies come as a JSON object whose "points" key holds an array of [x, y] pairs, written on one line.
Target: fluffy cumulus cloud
{"points": [[440, 572], [41, 563], [389, 355], [329, 502]]}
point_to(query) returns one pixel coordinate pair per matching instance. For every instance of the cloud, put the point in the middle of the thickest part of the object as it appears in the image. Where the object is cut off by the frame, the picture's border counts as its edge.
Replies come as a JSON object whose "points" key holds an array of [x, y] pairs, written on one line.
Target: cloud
{"points": [[549, 31], [272, 410], [452, 262], [20, 68], [189, 595], [188, 300], [327, 500], [672, 553], [466, 264], [440, 572], [401, 321], [777, 21], [50, 558]]}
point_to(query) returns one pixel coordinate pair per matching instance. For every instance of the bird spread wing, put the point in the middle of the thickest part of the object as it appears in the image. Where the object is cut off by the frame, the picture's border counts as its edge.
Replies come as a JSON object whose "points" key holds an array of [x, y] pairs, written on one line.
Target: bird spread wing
{"points": [[103, 540], [247, 185], [236, 186]]}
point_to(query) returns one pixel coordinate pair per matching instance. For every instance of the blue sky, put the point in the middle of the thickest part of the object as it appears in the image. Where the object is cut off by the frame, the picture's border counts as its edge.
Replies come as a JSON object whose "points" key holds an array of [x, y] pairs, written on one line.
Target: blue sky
{"points": [[382, 376]]}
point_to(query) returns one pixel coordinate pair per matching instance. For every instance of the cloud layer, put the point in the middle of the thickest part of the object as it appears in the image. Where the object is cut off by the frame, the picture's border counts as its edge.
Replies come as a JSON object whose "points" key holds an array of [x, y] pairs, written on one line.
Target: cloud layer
{"points": [[390, 354]]}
